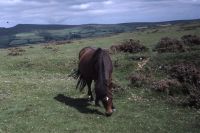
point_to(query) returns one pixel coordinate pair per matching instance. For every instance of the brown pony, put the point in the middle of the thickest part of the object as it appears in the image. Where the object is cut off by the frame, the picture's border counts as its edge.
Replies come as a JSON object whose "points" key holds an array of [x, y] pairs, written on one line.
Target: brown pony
{"points": [[95, 65]]}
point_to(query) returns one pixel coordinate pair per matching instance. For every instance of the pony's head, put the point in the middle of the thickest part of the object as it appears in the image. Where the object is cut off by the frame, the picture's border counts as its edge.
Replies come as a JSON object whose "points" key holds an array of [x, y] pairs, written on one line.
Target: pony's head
{"points": [[106, 98], [104, 94], [108, 104]]}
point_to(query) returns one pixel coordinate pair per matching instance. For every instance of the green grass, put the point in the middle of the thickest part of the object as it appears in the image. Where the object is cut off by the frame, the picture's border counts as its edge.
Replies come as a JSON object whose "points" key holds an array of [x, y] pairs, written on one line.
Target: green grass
{"points": [[30, 83]]}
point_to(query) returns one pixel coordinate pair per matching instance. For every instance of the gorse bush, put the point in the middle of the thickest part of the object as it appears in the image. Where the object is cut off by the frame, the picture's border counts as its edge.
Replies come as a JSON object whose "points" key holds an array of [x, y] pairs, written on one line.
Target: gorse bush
{"points": [[130, 46], [171, 86], [167, 44], [189, 76], [186, 73], [191, 40]]}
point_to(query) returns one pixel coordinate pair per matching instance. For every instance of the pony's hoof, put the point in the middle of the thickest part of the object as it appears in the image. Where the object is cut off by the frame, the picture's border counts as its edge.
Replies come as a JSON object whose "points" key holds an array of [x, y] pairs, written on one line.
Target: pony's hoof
{"points": [[91, 99], [108, 114], [91, 102]]}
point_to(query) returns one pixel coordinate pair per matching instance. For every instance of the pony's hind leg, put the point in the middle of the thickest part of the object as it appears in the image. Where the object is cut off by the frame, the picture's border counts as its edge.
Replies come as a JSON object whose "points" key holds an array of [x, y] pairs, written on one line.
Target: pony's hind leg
{"points": [[89, 82]]}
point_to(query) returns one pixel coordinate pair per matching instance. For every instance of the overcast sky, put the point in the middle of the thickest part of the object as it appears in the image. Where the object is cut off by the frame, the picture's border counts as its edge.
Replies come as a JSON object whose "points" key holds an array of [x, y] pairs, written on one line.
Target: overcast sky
{"points": [[14, 12]]}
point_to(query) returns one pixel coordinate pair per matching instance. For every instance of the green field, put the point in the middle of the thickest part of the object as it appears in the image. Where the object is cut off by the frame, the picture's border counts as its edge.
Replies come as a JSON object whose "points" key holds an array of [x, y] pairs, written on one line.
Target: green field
{"points": [[37, 96]]}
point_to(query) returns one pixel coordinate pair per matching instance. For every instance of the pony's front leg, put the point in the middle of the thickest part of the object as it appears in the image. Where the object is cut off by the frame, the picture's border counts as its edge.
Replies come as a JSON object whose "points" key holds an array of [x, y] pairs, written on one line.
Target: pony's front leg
{"points": [[90, 95]]}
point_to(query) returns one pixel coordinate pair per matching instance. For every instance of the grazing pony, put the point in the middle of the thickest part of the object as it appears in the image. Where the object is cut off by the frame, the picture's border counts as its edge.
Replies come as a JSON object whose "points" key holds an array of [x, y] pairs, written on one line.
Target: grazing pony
{"points": [[95, 65]]}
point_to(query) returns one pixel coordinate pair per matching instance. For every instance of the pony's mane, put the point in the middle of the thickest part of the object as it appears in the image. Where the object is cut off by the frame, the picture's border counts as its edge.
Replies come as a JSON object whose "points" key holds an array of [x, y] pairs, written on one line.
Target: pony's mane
{"points": [[101, 84]]}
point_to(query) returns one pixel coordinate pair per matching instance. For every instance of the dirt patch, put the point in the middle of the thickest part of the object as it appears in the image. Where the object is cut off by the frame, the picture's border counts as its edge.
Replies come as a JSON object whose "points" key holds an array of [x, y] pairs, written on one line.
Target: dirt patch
{"points": [[130, 46], [191, 40], [167, 44]]}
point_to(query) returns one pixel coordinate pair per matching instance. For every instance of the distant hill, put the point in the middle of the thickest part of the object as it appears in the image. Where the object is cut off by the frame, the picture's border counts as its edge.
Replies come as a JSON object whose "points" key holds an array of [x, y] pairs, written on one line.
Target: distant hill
{"points": [[31, 27], [23, 34]]}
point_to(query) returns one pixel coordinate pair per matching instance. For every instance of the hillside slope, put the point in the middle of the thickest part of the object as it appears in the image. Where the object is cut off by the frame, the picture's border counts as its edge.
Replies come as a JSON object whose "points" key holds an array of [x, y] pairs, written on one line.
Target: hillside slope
{"points": [[24, 34]]}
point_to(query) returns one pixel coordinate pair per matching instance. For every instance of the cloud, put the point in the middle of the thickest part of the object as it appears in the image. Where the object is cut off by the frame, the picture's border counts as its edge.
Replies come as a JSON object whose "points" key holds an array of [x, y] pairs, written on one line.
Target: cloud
{"points": [[95, 11], [81, 6], [108, 2]]}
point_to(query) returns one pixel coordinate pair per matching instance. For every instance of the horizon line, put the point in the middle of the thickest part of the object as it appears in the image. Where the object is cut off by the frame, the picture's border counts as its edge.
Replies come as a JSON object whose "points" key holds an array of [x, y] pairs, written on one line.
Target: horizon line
{"points": [[164, 21]]}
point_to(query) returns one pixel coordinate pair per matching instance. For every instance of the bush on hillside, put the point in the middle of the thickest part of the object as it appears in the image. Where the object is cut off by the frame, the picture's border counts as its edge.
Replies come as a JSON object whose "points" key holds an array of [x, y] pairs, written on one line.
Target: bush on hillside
{"points": [[191, 40], [15, 51], [167, 44], [48, 46], [131, 46], [193, 99], [189, 76], [186, 73], [171, 86], [138, 79]]}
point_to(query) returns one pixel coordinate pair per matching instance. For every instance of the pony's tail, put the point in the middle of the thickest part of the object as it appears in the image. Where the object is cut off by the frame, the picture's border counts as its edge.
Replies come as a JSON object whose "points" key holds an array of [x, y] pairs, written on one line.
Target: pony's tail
{"points": [[74, 73], [77, 75]]}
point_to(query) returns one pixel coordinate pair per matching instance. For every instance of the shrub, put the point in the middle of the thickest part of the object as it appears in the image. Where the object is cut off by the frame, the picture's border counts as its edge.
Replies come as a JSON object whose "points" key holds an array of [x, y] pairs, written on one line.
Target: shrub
{"points": [[189, 76], [193, 99], [15, 51], [186, 73], [48, 47], [191, 40], [138, 79], [167, 44], [171, 86], [131, 46]]}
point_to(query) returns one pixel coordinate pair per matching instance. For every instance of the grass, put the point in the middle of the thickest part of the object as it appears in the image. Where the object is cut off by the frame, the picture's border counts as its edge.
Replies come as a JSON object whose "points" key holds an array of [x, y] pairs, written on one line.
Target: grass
{"points": [[37, 96]]}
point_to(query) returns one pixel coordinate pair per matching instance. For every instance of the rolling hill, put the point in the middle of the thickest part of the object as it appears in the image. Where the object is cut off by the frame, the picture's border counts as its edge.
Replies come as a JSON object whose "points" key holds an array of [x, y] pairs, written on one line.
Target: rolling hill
{"points": [[24, 34]]}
